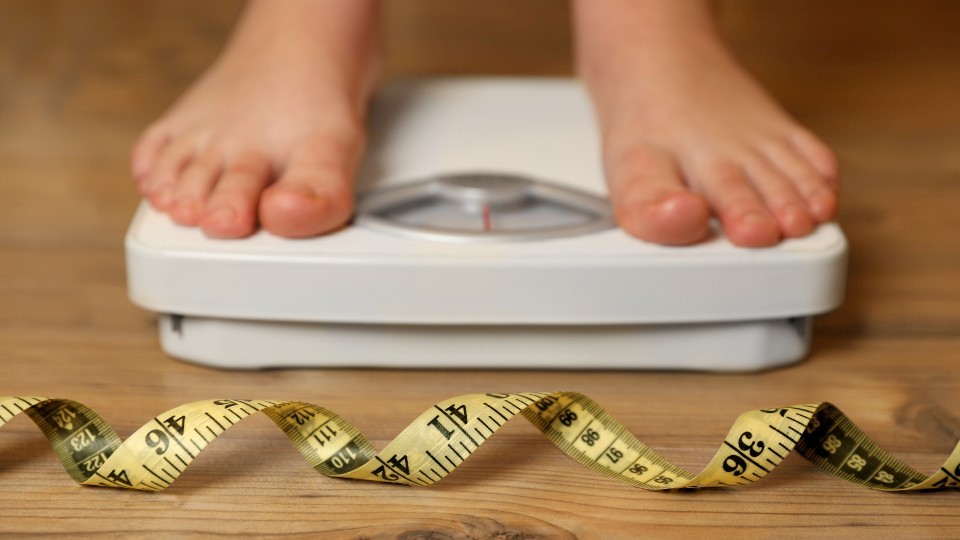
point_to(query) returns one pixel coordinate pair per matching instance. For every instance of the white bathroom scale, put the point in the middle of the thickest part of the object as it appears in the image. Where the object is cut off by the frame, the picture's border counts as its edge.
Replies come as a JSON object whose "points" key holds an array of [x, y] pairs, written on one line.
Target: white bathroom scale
{"points": [[482, 239]]}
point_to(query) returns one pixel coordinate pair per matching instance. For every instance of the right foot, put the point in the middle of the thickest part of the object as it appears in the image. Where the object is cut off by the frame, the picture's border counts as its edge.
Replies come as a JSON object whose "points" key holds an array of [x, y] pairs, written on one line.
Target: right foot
{"points": [[271, 135]]}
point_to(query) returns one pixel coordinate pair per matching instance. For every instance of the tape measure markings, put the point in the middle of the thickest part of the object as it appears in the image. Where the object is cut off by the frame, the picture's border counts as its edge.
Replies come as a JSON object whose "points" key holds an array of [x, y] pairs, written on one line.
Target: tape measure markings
{"points": [[447, 434]]}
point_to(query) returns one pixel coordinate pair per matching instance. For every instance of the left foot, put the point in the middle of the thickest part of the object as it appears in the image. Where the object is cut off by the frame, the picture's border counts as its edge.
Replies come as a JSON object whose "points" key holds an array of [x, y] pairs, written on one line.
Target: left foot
{"points": [[688, 133]]}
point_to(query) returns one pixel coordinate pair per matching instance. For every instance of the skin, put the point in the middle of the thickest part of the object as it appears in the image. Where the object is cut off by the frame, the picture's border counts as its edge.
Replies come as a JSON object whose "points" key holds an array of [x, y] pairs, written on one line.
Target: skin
{"points": [[271, 135]]}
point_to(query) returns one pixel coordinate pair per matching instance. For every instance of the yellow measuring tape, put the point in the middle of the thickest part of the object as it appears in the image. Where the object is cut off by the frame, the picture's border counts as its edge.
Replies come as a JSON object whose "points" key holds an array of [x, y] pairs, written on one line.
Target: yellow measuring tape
{"points": [[443, 437]]}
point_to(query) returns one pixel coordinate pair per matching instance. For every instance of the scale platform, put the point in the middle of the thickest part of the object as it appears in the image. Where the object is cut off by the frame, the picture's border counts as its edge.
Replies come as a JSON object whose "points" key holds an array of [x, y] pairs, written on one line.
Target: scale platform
{"points": [[482, 239]]}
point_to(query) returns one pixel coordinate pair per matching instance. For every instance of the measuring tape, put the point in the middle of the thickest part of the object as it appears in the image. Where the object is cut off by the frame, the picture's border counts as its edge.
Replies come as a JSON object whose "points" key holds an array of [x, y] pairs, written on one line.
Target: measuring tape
{"points": [[444, 436]]}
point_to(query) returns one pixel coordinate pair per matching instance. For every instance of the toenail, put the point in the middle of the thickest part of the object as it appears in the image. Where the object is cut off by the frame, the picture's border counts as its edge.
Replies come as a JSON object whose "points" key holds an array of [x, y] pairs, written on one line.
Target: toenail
{"points": [[822, 202], [796, 220], [185, 206], [184, 202], [163, 196], [222, 216]]}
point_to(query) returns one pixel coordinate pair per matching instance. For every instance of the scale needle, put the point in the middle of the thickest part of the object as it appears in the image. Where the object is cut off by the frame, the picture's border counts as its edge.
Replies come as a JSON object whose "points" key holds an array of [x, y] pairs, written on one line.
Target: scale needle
{"points": [[486, 217]]}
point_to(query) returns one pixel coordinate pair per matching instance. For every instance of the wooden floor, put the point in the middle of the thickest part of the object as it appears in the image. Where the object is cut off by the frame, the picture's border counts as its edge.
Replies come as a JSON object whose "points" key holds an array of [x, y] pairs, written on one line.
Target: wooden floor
{"points": [[878, 80]]}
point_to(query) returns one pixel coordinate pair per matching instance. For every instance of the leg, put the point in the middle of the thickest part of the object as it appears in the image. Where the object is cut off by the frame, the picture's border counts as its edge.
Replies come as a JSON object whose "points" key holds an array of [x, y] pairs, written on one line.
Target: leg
{"points": [[273, 131], [687, 132]]}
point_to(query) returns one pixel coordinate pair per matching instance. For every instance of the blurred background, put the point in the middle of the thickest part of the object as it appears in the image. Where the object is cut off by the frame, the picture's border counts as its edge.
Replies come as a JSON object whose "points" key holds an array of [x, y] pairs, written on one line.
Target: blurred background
{"points": [[879, 80]]}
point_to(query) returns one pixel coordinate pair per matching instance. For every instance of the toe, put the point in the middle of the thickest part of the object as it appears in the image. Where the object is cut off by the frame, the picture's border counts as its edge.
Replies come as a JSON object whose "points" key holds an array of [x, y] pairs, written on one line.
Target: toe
{"points": [[745, 218], [781, 197], [314, 195], [818, 154], [818, 190], [230, 211], [651, 201], [162, 178], [144, 154], [194, 187]]}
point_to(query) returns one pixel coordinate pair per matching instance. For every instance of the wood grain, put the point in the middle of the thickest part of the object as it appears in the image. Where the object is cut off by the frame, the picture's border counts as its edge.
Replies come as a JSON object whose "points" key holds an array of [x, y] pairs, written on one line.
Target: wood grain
{"points": [[78, 80]]}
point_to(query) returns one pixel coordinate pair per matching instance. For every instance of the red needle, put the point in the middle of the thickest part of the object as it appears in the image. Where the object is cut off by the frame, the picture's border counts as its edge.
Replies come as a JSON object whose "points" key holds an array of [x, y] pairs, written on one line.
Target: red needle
{"points": [[486, 218]]}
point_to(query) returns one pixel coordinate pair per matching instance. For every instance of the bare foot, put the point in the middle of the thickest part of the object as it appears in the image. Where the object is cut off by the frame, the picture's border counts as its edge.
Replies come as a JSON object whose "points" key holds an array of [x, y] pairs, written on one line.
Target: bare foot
{"points": [[688, 133], [273, 131]]}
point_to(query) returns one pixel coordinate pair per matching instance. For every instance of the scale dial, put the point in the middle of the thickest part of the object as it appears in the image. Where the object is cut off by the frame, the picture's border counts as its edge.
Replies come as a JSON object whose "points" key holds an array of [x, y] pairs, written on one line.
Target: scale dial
{"points": [[480, 208]]}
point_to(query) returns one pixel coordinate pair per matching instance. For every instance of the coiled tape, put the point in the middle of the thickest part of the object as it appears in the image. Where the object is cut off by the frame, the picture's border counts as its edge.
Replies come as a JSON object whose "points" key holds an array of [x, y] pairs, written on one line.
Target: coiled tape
{"points": [[443, 437]]}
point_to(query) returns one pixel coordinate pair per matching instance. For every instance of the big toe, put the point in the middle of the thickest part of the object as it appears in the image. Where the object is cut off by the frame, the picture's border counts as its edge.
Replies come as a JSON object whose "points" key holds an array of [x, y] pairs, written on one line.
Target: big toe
{"points": [[314, 195], [678, 218], [304, 208], [652, 202]]}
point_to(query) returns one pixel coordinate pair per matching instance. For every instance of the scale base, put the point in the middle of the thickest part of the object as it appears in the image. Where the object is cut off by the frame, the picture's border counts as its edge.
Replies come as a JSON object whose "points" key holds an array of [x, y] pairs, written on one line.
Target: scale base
{"points": [[247, 344]]}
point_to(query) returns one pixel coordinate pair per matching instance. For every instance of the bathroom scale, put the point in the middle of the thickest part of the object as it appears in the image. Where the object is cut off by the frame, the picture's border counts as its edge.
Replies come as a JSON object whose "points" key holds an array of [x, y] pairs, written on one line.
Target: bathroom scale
{"points": [[482, 238]]}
